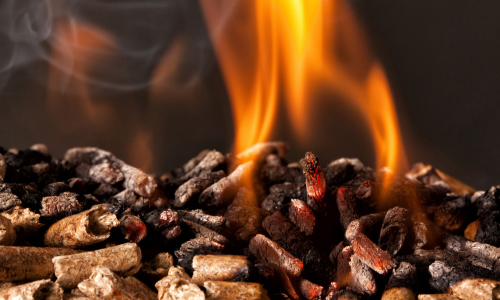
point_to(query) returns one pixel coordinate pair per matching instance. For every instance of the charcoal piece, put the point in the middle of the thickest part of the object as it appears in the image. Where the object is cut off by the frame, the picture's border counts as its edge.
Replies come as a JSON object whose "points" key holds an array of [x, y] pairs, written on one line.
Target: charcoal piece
{"points": [[487, 201], [246, 221], [362, 278], [224, 190], [25, 158], [191, 164], [365, 190], [3, 168], [162, 224], [443, 276], [121, 201], [157, 268], [335, 252], [281, 194], [213, 161], [105, 191], [340, 171], [197, 230], [220, 290], [77, 185], [83, 229], [316, 267], [7, 232], [37, 290], [88, 201], [302, 216], [55, 188], [125, 260], [25, 222], [105, 173], [309, 290], [271, 253], [424, 234], [28, 263], [245, 197], [369, 225], [452, 212], [104, 284], [193, 247], [276, 171], [276, 278], [471, 229], [479, 288], [220, 268], [315, 182], [8, 200], [198, 216], [394, 230], [489, 231], [377, 259], [343, 266], [133, 228], [405, 275], [30, 197], [177, 286], [478, 254], [58, 207], [192, 189], [399, 293], [260, 151], [134, 179], [346, 203], [32, 173], [83, 171]]}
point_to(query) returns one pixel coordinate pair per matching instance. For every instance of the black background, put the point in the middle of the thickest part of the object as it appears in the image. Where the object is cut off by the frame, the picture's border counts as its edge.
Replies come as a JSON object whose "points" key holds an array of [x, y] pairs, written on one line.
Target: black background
{"points": [[442, 59]]}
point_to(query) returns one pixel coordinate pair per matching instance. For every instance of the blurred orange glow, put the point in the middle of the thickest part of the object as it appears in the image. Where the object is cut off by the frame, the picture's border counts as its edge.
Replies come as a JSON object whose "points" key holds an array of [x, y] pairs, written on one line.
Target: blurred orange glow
{"points": [[289, 49]]}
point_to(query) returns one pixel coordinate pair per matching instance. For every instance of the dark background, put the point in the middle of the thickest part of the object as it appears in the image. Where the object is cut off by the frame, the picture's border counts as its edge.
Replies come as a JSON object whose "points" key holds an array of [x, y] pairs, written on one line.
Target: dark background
{"points": [[441, 58]]}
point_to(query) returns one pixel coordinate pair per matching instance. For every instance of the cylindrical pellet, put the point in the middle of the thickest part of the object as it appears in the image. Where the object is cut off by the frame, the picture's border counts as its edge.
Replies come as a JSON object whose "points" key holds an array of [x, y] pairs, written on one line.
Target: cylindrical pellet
{"points": [[220, 267], [83, 229], [36, 290], [28, 263], [7, 232], [125, 260]]}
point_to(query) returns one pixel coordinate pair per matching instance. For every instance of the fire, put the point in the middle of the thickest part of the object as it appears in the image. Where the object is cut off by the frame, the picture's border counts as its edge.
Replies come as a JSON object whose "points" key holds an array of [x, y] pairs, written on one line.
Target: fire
{"points": [[291, 49]]}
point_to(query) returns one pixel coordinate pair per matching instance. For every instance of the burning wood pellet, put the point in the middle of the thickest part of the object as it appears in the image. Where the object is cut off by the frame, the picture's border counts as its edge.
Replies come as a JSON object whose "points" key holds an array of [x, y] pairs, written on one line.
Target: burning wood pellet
{"points": [[7, 232], [193, 162], [271, 253], [224, 190], [55, 189], [342, 170], [198, 216], [309, 290], [346, 203], [133, 228], [177, 286], [28, 263], [284, 233], [70, 270], [423, 232], [343, 266], [260, 151], [451, 214], [368, 225], [479, 254], [196, 230], [192, 189], [36, 290], [245, 220], [157, 268], [377, 259], [480, 289], [302, 216], [281, 194], [315, 182], [58, 207], [220, 268], [213, 161], [83, 229], [134, 179], [191, 248], [162, 224], [121, 201], [104, 284], [486, 202], [25, 222], [405, 275], [394, 230], [362, 278], [105, 173], [443, 276], [221, 290]]}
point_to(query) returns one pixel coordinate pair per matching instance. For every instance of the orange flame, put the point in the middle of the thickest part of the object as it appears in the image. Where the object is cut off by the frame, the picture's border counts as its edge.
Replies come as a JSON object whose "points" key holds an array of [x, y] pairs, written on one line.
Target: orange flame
{"points": [[292, 48]]}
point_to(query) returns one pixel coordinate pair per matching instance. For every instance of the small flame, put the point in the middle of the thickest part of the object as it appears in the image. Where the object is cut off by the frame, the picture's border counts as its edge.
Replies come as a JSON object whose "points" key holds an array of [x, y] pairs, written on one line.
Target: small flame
{"points": [[291, 49]]}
